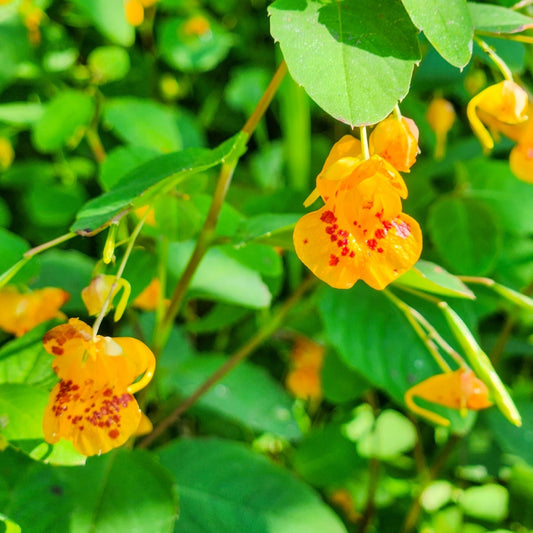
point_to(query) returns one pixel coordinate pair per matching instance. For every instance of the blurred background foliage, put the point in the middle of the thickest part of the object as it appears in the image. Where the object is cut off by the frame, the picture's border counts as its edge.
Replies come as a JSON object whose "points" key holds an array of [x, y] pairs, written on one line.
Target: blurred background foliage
{"points": [[86, 97]]}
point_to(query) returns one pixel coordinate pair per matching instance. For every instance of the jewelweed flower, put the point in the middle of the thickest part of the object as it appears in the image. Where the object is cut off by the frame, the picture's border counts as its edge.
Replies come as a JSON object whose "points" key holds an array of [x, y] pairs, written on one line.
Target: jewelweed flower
{"points": [[149, 297], [93, 404], [197, 26], [22, 311], [97, 292], [506, 102], [521, 162], [461, 390], [440, 115], [396, 141], [304, 379]]}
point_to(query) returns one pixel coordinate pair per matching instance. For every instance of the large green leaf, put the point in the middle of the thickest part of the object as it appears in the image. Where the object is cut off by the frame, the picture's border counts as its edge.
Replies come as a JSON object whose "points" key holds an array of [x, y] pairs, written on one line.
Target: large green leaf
{"points": [[372, 336], [447, 25], [466, 233], [514, 440], [263, 407], [498, 19], [144, 123], [24, 360], [355, 58], [164, 171], [63, 116], [224, 487], [122, 491], [12, 248], [492, 182], [21, 113], [220, 277]]}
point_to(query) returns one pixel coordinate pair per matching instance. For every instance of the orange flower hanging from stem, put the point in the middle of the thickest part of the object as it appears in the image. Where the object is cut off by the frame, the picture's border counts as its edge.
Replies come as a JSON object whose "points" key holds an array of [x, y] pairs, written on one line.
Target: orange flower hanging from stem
{"points": [[461, 390], [360, 232], [93, 404]]}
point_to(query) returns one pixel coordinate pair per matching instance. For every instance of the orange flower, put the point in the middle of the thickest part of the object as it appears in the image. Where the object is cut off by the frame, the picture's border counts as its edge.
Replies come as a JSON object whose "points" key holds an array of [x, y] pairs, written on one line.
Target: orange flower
{"points": [[304, 380], [197, 26], [97, 292], [505, 102], [396, 141], [440, 116], [7, 154], [93, 404], [21, 312], [135, 10], [521, 162], [149, 297], [460, 389]]}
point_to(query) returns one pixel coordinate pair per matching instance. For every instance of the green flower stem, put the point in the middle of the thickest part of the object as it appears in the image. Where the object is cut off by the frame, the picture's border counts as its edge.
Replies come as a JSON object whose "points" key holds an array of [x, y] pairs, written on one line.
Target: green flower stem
{"points": [[481, 364], [497, 60], [120, 271], [265, 332], [50, 244], [427, 335], [207, 232]]}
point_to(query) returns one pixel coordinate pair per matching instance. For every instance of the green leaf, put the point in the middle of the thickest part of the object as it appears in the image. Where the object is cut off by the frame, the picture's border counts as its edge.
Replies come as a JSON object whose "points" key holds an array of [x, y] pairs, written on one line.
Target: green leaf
{"points": [[259, 257], [429, 277], [270, 228], [489, 502], [447, 25], [53, 204], [513, 440], [374, 337], [220, 277], [120, 161], [69, 269], [123, 491], [9, 525], [109, 17], [24, 360], [21, 411], [12, 248], [224, 487], [340, 382], [164, 171], [491, 181], [21, 113], [466, 234], [326, 458], [190, 52], [497, 19], [263, 407], [144, 123], [64, 116], [355, 59], [378, 442], [108, 63]]}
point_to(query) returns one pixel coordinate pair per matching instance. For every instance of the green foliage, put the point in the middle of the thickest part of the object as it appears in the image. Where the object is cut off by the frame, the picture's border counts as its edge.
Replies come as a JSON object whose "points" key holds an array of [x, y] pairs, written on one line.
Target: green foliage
{"points": [[176, 150]]}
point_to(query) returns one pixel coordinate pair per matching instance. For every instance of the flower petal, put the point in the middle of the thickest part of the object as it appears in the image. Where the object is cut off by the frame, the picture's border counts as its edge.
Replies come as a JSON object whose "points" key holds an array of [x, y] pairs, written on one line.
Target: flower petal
{"points": [[96, 420], [521, 162], [329, 251], [392, 252]]}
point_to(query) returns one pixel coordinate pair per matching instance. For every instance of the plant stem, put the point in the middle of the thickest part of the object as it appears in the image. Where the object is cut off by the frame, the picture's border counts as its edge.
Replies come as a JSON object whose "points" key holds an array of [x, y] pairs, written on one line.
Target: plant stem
{"points": [[497, 60], [207, 232], [364, 142], [120, 271], [50, 244], [242, 353]]}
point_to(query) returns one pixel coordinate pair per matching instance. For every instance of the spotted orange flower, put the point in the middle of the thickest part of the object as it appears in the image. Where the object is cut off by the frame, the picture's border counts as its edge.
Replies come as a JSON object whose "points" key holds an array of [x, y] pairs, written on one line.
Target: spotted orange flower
{"points": [[304, 379], [460, 389], [506, 102], [93, 404], [22, 311], [361, 233]]}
